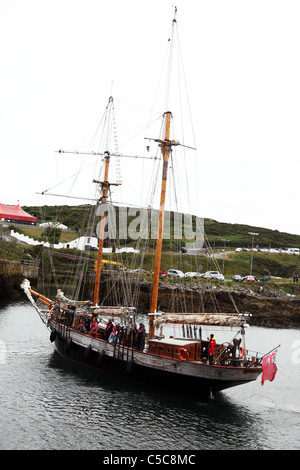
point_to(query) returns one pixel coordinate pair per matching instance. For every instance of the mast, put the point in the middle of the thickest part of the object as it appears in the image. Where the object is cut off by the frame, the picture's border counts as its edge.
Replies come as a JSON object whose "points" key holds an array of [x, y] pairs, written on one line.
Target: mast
{"points": [[105, 186], [166, 148]]}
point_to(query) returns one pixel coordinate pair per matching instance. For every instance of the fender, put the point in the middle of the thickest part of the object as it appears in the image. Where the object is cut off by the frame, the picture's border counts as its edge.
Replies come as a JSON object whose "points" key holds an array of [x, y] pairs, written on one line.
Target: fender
{"points": [[68, 345], [101, 357], [129, 366], [53, 335], [87, 351]]}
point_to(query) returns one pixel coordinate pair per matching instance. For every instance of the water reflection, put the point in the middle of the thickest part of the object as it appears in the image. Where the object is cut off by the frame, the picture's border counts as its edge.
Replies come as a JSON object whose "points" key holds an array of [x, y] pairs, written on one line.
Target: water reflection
{"points": [[135, 416]]}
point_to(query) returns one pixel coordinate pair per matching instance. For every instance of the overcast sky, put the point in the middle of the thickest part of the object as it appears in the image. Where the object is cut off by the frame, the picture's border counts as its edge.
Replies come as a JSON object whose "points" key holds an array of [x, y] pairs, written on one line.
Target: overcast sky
{"points": [[62, 59]]}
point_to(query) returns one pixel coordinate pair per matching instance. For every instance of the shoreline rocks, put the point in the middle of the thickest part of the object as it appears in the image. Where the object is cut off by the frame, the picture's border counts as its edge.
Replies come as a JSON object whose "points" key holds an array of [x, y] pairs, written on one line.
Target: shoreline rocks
{"points": [[270, 306]]}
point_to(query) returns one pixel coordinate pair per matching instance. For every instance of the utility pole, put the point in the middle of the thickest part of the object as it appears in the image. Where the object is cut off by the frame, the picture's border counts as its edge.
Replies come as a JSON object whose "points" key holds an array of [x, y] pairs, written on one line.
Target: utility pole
{"points": [[224, 240], [253, 235]]}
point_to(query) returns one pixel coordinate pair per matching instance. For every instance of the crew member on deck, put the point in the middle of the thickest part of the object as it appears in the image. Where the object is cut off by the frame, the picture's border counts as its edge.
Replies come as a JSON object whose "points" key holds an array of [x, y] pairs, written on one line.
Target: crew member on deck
{"points": [[211, 348], [108, 330], [94, 328], [81, 325], [140, 337], [114, 335]]}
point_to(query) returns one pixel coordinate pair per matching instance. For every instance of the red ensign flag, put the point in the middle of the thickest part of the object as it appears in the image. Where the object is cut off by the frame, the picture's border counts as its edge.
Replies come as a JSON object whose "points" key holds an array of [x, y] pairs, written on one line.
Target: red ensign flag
{"points": [[269, 367]]}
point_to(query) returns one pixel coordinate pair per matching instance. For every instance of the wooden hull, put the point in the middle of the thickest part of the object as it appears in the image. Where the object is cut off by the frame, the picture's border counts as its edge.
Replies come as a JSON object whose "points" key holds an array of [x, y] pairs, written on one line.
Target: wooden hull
{"points": [[190, 377]]}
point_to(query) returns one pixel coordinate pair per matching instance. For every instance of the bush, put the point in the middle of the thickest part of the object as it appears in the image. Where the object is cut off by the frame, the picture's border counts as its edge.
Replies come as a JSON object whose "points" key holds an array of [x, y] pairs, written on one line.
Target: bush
{"points": [[52, 234]]}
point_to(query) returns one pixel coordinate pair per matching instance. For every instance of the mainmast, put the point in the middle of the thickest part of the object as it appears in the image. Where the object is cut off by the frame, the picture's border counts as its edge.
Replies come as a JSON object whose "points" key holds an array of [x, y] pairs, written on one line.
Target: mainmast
{"points": [[166, 149]]}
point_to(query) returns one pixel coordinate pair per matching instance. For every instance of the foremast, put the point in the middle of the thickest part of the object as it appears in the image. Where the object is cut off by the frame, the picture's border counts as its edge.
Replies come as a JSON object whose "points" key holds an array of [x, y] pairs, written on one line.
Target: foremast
{"points": [[105, 188]]}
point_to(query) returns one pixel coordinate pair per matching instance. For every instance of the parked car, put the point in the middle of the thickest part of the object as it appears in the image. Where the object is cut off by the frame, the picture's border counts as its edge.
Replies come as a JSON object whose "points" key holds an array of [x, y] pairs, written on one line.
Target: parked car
{"points": [[207, 275], [175, 273], [213, 275], [192, 274], [250, 279], [237, 278], [219, 277], [238, 250], [266, 278]]}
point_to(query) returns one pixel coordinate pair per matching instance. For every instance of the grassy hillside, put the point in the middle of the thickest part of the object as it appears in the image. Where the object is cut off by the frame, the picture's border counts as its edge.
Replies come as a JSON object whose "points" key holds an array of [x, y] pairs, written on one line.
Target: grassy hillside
{"points": [[238, 235], [279, 265], [76, 218]]}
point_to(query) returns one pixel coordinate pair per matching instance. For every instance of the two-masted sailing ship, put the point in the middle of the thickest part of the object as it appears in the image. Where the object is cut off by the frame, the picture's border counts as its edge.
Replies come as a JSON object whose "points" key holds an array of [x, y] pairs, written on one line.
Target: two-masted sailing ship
{"points": [[108, 339]]}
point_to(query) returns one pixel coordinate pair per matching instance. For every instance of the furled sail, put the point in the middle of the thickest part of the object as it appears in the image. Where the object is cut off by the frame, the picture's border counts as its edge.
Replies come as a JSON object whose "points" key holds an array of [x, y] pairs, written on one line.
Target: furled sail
{"points": [[221, 319]]}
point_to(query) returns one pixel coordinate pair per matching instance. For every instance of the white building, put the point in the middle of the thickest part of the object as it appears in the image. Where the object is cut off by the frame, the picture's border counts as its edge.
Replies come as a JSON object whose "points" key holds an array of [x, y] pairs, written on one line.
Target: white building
{"points": [[54, 224], [83, 243]]}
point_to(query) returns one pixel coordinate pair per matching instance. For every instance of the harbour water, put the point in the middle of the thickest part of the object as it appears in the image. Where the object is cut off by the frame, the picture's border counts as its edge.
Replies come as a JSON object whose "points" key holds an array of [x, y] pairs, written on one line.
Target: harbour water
{"points": [[49, 404]]}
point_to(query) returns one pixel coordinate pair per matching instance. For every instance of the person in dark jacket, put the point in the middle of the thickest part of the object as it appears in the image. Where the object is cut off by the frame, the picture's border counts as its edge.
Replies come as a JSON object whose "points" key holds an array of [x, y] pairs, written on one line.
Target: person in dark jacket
{"points": [[140, 337], [81, 325], [108, 330]]}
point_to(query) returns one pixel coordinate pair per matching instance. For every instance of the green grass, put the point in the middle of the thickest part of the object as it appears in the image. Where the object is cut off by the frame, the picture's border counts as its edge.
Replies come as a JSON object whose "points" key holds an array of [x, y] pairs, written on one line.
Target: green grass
{"points": [[76, 218], [15, 252], [279, 265], [238, 235], [264, 264]]}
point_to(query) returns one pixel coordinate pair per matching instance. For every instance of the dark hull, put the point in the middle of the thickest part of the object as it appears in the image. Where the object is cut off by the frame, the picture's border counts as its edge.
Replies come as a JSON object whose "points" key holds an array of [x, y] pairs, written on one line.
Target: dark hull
{"points": [[130, 364]]}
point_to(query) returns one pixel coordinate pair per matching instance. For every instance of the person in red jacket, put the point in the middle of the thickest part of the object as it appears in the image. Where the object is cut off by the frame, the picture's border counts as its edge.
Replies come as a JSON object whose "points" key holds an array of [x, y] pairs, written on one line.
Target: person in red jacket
{"points": [[114, 335], [211, 348], [94, 328]]}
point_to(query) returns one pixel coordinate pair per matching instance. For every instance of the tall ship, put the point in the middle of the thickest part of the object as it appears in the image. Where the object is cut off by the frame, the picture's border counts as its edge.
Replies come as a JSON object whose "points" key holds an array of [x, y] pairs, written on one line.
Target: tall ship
{"points": [[164, 349]]}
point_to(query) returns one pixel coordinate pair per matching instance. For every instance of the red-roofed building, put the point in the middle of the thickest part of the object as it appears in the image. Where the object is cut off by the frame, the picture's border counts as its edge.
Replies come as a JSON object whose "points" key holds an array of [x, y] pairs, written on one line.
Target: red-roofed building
{"points": [[15, 214]]}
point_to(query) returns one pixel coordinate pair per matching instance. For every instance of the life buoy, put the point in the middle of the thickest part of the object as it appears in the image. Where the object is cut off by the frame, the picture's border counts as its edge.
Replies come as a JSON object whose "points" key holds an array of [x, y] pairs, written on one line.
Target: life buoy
{"points": [[242, 352], [186, 353]]}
